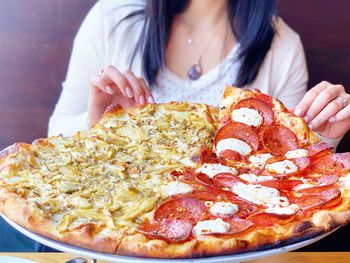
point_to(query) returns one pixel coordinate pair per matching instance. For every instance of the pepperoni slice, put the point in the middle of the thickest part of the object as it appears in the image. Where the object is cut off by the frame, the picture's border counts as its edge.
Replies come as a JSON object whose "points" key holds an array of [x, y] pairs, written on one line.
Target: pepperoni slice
{"points": [[204, 179], [282, 184], [336, 162], [320, 184], [265, 220], [239, 131], [226, 180], [238, 225], [186, 176], [231, 155], [264, 97], [206, 155], [327, 180], [318, 148], [170, 230], [312, 201], [278, 139], [206, 195], [181, 208], [225, 120], [302, 162], [260, 105]]}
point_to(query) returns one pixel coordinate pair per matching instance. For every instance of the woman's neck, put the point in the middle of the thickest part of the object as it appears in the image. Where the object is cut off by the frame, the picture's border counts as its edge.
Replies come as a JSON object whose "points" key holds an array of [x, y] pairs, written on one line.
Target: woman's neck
{"points": [[204, 13]]}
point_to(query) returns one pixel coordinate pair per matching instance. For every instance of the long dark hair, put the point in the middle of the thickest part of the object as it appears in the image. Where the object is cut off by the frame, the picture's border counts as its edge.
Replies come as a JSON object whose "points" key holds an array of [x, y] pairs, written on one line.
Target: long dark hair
{"points": [[251, 24]]}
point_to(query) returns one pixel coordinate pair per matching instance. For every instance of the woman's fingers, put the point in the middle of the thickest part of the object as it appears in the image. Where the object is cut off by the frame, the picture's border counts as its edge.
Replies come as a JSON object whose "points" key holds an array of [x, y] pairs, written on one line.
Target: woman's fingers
{"points": [[341, 115], [308, 99], [111, 75], [331, 109], [140, 90], [324, 98], [148, 94]]}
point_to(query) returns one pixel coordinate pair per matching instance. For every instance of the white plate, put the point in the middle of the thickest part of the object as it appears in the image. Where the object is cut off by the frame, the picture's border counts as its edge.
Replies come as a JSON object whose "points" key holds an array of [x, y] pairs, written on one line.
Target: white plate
{"points": [[123, 259], [7, 259]]}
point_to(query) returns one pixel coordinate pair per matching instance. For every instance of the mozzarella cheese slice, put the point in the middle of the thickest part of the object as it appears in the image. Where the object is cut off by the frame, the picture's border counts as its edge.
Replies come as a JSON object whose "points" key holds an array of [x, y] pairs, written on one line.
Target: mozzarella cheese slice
{"points": [[176, 187], [260, 159], [267, 196], [298, 153], [256, 194], [283, 210], [306, 184], [283, 167], [223, 208], [233, 144], [345, 181], [252, 178], [212, 169], [211, 226], [247, 116]]}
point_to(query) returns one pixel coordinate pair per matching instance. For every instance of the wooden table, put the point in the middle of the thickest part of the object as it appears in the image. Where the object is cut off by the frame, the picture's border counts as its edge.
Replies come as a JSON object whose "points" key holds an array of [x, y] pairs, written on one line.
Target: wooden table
{"points": [[291, 257]]}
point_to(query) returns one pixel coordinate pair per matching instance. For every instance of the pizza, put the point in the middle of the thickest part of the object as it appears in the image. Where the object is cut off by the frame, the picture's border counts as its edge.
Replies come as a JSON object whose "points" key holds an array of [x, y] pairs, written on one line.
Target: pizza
{"points": [[180, 180]]}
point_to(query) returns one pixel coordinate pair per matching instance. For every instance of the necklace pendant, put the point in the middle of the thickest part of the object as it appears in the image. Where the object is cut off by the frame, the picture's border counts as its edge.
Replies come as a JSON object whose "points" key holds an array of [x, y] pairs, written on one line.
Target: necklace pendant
{"points": [[195, 71]]}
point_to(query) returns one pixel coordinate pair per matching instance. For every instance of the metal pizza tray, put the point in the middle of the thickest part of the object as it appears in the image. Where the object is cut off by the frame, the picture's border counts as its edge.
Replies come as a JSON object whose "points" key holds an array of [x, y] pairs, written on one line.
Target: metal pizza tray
{"points": [[124, 259]]}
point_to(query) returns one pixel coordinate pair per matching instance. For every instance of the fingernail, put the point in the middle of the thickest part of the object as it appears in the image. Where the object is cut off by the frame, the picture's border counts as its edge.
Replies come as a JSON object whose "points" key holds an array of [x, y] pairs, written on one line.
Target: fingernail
{"points": [[150, 100], [298, 111], [128, 92], [142, 100], [306, 119], [109, 90], [332, 119]]}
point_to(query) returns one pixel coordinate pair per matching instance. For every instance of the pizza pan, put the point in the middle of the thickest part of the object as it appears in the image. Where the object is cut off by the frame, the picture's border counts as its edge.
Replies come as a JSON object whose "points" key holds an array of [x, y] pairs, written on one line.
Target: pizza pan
{"points": [[124, 259]]}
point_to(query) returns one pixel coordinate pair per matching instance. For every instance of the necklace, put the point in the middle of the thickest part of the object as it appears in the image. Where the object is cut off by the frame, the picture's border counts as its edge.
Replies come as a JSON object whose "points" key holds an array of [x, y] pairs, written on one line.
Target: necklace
{"points": [[195, 71]]}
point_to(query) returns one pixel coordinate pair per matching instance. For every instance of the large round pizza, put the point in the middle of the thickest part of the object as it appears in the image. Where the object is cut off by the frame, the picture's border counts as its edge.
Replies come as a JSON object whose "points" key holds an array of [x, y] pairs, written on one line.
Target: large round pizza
{"points": [[180, 180]]}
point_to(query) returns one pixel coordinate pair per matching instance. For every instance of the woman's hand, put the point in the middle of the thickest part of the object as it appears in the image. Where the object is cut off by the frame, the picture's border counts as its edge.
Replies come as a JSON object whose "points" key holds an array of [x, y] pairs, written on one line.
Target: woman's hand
{"points": [[326, 109], [113, 87]]}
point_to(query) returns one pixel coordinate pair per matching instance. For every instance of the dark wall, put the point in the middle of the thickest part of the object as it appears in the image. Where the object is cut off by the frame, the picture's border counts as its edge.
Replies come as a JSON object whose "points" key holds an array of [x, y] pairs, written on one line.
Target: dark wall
{"points": [[35, 43], [324, 27]]}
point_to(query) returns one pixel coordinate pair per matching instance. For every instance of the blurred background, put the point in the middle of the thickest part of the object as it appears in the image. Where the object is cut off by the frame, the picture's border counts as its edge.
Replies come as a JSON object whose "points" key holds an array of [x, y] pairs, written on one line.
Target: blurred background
{"points": [[36, 38]]}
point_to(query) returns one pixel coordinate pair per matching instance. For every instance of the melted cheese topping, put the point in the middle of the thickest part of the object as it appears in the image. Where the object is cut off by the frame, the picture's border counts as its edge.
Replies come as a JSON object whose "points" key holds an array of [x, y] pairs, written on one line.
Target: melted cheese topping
{"points": [[252, 178], [260, 159], [211, 226], [283, 210], [267, 196], [233, 144], [113, 174], [223, 208], [256, 194], [247, 116], [283, 167], [176, 187], [212, 169], [344, 181], [298, 153]]}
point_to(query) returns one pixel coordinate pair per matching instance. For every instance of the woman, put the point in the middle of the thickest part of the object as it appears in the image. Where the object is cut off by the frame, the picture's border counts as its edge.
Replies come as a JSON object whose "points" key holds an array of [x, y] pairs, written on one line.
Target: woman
{"points": [[189, 50]]}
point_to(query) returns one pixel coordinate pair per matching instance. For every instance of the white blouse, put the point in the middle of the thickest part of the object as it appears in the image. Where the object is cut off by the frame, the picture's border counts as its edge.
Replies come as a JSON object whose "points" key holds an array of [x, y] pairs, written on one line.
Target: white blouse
{"points": [[100, 42]]}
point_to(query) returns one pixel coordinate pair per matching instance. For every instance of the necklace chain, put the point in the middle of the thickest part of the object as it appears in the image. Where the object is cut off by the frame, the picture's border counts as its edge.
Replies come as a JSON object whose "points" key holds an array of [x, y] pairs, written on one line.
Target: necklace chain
{"points": [[195, 71], [190, 41]]}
